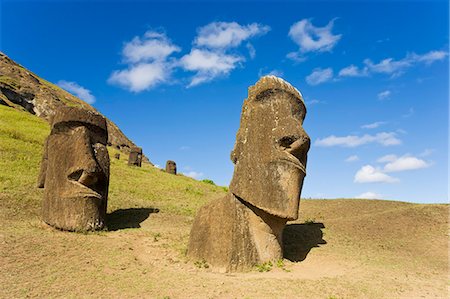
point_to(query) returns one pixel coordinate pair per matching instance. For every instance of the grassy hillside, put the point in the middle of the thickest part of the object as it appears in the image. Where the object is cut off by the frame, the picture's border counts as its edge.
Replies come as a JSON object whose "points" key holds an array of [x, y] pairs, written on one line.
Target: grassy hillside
{"points": [[337, 249]]}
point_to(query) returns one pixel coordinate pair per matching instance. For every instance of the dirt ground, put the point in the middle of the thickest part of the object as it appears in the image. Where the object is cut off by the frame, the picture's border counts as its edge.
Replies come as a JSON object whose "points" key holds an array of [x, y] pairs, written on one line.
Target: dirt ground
{"points": [[338, 249]]}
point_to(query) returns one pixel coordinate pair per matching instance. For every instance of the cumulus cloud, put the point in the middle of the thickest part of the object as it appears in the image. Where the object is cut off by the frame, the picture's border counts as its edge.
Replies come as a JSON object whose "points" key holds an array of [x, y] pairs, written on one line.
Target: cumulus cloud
{"points": [[373, 125], [310, 38], [387, 158], [148, 63], [153, 46], [208, 65], [384, 95], [353, 71], [77, 90], [214, 54], [391, 66], [383, 138], [352, 158], [221, 35], [319, 76], [194, 174], [370, 174], [368, 195], [405, 163]]}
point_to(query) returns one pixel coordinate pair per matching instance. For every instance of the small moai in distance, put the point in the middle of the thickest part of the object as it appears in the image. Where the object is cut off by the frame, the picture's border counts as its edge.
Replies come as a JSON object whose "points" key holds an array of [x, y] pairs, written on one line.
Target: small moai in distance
{"points": [[245, 227], [135, 157], [171, 167], [117, 156], [75, 171]]}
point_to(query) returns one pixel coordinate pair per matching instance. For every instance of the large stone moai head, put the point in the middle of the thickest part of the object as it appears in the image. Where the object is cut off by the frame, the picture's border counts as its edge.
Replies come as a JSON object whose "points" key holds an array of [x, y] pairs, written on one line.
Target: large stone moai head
{"points": [[271, 148], [135, 157], [171, 167], [75, 171]]}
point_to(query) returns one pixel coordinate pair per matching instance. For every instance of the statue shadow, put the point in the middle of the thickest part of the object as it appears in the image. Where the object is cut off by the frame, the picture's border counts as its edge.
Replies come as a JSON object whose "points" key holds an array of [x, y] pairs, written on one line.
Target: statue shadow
{"points": [[299, 239], [128, 218]]}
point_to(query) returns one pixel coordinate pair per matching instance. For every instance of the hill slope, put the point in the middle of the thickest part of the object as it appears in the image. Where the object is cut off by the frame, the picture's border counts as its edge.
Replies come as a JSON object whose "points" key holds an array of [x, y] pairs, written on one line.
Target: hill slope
{"points": [[337, 249], [24, 90]]}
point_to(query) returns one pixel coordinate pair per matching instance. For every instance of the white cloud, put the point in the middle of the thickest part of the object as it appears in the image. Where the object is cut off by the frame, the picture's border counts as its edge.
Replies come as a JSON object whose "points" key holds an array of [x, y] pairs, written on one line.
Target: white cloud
{"points": [[211, 58], [184, 148], [391, 66], [368, 195], [373, 125], [384, 95], [427, 152], [77, 90], [312, 39], [208, 65], [429, 57], [352, 158], [405, 163], [194, 174], [387, 158], [251, 50], [383, 138], [369, 174], [314, 102], [319, 76], [353, 71], [262, 72], [148, 63], [227, 34], [409, 113], [141, 76], [157, 166], [153, 46]]}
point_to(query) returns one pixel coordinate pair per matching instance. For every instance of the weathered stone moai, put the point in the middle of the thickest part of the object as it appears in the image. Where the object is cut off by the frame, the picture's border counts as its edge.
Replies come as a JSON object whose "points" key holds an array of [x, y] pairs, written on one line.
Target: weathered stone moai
{"points": [[171, 167], [117, 156], [245, 227], [135, 157], [75, 171]]}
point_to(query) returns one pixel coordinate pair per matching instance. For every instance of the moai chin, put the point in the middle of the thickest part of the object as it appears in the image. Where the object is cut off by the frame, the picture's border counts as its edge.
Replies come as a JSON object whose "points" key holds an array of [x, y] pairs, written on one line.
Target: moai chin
{"points": [[135, 157], [171, 167], [75, 171], [245, 227]]}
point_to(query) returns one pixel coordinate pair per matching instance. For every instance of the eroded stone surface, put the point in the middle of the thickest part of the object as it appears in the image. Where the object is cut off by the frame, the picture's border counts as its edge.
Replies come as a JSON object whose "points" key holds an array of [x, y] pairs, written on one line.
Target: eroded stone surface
{"points": [[171, 167], [117, 156], [75, 171], [245, 228], [135, 157]]}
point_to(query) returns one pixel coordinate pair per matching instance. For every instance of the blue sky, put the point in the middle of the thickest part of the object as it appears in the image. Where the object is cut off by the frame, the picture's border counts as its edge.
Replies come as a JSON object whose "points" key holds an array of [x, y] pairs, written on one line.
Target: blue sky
{"points": [[173, 76]]}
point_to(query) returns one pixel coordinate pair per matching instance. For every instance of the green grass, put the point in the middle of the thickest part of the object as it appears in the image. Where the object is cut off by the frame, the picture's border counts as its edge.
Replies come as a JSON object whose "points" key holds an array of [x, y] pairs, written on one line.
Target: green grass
{"points": [[22, 137]]}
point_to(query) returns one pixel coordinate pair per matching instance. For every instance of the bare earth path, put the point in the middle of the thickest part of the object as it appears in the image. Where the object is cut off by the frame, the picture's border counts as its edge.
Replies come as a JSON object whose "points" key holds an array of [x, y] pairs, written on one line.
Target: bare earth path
{"points": [[346, 249]]}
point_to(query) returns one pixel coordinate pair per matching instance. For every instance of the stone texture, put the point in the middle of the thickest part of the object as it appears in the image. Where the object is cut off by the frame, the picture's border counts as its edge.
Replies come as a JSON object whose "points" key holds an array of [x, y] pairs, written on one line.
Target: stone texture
{"points": [[171, 167], [117, 156], [135, 158], [245, 227], [75, 171]]}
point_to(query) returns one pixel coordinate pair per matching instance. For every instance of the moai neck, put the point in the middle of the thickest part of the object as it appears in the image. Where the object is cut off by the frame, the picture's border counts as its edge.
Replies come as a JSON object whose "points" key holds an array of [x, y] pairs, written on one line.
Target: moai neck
{"points": [[267, 232]]}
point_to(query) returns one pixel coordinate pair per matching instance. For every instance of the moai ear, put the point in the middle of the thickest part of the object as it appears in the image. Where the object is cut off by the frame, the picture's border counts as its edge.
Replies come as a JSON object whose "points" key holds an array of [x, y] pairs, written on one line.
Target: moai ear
{"points": [[43, 170]]}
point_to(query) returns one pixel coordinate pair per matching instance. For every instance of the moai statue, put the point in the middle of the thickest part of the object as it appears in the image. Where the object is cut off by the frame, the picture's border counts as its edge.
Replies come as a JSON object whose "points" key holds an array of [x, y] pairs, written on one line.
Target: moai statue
{"points": [[171, 167], [75, 171], [245, 227], [117, 156], [135, 157]]}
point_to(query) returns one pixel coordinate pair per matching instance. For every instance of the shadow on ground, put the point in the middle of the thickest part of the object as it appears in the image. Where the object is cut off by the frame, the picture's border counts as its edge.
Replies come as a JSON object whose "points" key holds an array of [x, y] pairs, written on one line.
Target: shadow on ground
{"points": [[299, 239], [128, 218]]}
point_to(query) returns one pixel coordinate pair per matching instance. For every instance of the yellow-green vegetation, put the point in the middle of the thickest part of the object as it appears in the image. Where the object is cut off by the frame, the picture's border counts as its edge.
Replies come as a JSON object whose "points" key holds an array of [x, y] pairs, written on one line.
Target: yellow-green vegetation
{"points": [[342, 248], [21, 142]]}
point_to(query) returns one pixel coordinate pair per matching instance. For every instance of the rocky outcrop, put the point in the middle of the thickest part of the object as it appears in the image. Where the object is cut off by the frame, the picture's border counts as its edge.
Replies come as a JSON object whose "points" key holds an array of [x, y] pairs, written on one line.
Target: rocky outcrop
{"points": [[21, 89]]}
